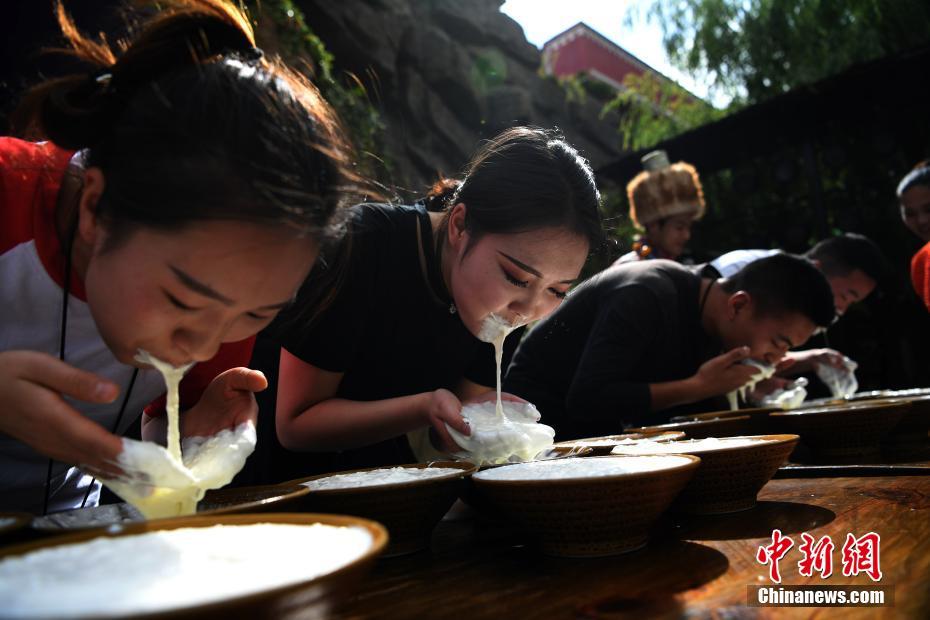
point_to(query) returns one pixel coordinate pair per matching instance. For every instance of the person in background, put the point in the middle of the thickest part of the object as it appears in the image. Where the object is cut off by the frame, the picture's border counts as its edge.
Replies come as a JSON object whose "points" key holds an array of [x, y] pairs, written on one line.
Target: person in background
{"points": [[641, 342], [853, 265], [665, 200], [914, 199], [179, 198], [396, 351]]}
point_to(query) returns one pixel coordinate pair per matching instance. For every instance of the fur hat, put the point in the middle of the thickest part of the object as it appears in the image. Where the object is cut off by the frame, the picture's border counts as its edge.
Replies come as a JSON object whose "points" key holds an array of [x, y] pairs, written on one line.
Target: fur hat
{"points": [[663, 190]]}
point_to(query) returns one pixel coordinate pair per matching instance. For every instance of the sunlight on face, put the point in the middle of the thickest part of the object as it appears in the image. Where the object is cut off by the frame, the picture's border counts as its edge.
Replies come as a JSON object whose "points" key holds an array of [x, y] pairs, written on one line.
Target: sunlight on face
{"points": [[180, 294], [521, 277], [849, 289], [769, 338]]}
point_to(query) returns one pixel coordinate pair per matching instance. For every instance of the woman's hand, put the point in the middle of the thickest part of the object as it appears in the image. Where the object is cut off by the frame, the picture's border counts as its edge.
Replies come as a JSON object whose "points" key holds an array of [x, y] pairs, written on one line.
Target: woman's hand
{"points": [[724, 373], [443, 408], [31, 388], [227, 402]]}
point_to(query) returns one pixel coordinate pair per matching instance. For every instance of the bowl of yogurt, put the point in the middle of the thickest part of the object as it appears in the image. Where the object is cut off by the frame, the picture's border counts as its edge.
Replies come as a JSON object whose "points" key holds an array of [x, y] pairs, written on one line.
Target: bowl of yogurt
{"points": [[408, 499], [230, 565], [732, 472], [585, 507]]}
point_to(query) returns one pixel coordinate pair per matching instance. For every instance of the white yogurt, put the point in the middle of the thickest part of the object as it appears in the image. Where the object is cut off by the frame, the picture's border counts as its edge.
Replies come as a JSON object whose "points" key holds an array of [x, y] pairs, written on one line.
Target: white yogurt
{"points": [[167, 570], [510, 435], [379, 477], [765, 372], [688, 446], [579, 468]]}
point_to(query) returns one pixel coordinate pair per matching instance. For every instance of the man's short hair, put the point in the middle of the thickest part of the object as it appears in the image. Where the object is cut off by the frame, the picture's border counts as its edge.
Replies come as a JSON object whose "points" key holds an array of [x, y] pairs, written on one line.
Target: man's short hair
{"points": [[784, 284], [841, 255]]}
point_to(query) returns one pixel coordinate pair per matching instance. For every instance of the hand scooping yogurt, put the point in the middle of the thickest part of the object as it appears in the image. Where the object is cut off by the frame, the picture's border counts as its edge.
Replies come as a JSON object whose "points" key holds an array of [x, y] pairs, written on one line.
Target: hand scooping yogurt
{"points": [[509, 431]]}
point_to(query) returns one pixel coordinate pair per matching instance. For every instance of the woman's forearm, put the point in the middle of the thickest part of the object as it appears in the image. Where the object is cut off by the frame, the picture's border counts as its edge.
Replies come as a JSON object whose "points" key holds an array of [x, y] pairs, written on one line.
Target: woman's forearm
{"points": [[339, 424]]}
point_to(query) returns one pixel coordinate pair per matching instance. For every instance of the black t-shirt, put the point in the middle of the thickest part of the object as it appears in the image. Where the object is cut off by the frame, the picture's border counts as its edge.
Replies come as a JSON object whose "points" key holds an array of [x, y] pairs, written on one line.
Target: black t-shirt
{"points": [[389, 329], [588, 366]]}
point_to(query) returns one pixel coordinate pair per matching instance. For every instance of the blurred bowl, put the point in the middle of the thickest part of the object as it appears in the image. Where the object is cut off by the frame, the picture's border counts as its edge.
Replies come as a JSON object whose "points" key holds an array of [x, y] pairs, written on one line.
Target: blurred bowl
{"points": [[910, 439], [758, 423], [241, 500], [410, 510], [312, 597], [732, 470], [14, 526], [596, 506], [840, 434], [601, 446], [729, 426]]}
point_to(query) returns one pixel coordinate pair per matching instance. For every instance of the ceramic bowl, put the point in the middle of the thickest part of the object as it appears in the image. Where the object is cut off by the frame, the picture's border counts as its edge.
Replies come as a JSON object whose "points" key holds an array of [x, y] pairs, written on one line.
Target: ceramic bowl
{"points": [[410, 510], [601, 446], [730, 476], [850, 433], [313, 597], [585, 507], [729, 426]]}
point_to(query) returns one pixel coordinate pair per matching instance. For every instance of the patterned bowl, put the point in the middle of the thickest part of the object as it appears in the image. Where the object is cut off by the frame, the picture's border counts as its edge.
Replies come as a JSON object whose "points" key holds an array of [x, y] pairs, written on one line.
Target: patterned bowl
{"points": [[313, 596], [850, 433], [410, 509], [601, 446], [729, 426], [595, 506], [730, 476]]}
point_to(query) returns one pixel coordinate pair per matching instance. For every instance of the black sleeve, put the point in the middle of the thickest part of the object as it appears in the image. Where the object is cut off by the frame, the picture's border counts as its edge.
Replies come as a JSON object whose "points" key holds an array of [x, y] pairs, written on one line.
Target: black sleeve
{"points": [[602, 395], [483, 367]]}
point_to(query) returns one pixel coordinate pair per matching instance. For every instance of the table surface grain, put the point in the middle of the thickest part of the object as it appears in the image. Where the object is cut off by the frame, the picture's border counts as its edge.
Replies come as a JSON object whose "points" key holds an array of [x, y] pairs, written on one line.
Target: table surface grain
{"points": [[694, 567]]}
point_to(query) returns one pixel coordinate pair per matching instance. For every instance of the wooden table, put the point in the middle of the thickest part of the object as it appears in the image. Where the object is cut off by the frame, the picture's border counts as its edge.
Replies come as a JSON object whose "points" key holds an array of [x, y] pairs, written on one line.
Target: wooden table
{"points": [[695, 567]]}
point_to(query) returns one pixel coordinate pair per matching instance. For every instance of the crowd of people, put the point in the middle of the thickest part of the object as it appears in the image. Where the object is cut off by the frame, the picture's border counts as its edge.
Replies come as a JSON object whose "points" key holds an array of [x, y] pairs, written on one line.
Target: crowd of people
{"points": [[189, 192]]}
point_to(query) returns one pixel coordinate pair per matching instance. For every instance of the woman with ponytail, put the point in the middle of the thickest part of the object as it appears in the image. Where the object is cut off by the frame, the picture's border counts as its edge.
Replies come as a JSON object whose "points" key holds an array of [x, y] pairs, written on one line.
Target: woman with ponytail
{"points": [[180, 196], [397, 349]]}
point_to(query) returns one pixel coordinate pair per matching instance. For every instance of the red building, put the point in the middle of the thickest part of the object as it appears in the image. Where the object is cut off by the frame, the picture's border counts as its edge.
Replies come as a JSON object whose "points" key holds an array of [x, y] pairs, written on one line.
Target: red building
{"points": [[581, 49]]}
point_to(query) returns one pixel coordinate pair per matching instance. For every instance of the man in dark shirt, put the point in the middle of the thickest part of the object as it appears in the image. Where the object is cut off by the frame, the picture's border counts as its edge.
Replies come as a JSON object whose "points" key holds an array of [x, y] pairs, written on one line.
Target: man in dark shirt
{"points": [[639, 343]]}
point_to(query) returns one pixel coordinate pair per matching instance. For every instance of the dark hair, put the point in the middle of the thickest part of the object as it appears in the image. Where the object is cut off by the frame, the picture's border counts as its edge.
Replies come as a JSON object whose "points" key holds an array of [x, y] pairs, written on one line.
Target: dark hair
{"points": [[848, 252], [785, 283], [919, 175], [524, 179], [190, 122]]}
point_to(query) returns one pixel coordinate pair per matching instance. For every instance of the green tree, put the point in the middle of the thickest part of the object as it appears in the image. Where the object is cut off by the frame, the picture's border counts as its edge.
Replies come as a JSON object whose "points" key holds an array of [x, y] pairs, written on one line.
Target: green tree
{"points": [[652, 108], [754, 49]]}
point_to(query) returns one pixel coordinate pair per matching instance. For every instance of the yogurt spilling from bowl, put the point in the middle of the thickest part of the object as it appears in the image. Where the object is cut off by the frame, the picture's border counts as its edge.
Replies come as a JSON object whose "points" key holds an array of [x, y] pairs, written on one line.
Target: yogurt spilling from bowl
{"points": [[689, 446], [580, 468], [503, 432], [765, 372], [509, 435], [169, 481], [381, 476], [172, 569]]}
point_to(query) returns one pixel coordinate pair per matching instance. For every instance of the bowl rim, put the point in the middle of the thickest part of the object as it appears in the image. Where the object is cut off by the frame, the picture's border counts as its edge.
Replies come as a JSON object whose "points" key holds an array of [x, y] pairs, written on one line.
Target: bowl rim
{"points": [[20, 520], [692, 462], [288, 492], [378, 533], [767, 441], [727, 414], [467, 468], [851, 408], [585, 442], [688, 423]]}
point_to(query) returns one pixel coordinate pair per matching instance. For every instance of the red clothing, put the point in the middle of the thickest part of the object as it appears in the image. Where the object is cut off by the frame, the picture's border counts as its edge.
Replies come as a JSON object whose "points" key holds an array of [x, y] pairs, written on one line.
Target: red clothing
{"points": [[32, 268], [920, 274]]}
